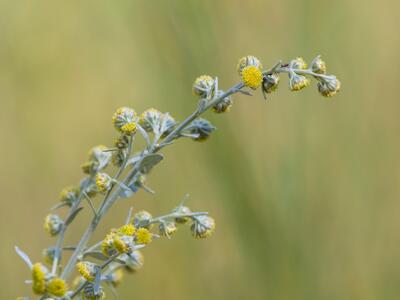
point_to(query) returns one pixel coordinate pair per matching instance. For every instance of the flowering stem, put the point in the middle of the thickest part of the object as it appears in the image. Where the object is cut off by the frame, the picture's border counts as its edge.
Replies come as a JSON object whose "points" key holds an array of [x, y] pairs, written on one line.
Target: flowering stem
{"points": [[111, 197], [60, 240], [300, 71], [176, 215]]}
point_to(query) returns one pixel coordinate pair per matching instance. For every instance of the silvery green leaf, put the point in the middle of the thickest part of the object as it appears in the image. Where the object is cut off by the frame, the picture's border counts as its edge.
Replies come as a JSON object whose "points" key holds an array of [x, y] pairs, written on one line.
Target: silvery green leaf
{"points": [[72, 216], [127, 191], [96, 254], [149, 161], [24, 257], [97, 279], [59, 205], [137, 157], [202, 104], [103, 157], [147, 189], [144, 134], [85, 182], [129, 216], [69, 248], [247, 93]]}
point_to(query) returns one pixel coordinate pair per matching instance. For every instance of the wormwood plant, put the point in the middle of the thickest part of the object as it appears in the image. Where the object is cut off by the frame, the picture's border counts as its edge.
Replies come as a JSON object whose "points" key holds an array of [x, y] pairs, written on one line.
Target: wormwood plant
{"points": [[103, 263]]}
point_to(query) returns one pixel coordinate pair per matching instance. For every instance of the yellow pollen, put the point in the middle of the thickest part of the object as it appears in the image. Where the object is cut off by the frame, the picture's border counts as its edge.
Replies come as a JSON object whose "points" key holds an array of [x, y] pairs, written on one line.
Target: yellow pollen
{"points": [[57, 287], [128, 229], [252, 77], [143, 236], [120, 245], [84, 271], [38, 276], [129, 128]]}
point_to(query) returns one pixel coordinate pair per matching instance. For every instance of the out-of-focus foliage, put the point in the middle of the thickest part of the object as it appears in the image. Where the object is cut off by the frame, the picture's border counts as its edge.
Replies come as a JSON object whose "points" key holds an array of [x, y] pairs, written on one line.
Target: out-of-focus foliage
{"points": [[305, 189]]}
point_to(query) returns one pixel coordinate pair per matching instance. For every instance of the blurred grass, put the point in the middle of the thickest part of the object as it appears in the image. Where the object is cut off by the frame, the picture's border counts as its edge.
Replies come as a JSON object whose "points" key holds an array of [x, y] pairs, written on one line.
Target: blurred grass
{"points": [[304, 189]]}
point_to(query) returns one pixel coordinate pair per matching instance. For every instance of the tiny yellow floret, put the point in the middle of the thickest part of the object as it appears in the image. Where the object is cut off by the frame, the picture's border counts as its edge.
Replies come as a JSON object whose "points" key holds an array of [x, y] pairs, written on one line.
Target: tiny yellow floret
{"points": [[107, 246], [57, 287], [103, 182], [252, 77], [129, 128], [39, 281], [120, 244], [143, 236], [84, 269], [127, 229]]}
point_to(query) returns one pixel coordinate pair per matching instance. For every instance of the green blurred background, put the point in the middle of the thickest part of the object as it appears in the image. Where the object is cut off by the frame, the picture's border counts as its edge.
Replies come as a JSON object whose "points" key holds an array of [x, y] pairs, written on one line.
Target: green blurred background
{"points": [[304, 189]]}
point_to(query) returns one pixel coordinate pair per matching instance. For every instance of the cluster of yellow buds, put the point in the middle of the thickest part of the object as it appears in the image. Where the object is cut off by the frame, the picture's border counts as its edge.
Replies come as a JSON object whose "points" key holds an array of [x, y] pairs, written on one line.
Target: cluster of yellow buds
{"points": [[45, 284]]}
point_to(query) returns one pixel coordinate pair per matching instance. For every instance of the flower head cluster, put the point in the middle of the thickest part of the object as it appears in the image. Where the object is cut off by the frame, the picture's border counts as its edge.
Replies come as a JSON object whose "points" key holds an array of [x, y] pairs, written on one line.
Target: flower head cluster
{"points": [[120, 249], [45, 284], [328, 85]]}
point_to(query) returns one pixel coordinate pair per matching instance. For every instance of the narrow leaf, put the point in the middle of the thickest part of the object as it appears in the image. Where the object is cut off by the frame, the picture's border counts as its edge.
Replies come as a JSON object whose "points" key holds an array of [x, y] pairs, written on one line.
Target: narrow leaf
{"points": [[149, 161], [72, 216], [24, 257], [96, 254], [144, 135], [97, 280]]}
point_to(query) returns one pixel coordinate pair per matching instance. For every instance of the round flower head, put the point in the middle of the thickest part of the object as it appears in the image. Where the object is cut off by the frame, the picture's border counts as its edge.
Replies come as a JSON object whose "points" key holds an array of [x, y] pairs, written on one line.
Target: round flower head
{"points": [[53, 224], [134, 261], [201, 129], [124, 120], [167, 124], [182, 210], [203, 86], [123, 243], [127, 229], [57, 287], [107, 246], [298, 63], [297, 82], [48, 255], [69, 195], [150, 119], [252, 77], [167, 228], [39, 273], [90, 293], [87, 270], [103, 182], [318, 65], [248, 61], [202, 227], [142, 219], [329, 87], [270, 83], [224, 105], [143, 236]]}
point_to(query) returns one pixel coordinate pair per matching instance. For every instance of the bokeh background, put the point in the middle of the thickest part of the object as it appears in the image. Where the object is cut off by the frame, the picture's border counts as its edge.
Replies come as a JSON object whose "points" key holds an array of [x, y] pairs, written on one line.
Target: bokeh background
{"points": [[305, 190]]}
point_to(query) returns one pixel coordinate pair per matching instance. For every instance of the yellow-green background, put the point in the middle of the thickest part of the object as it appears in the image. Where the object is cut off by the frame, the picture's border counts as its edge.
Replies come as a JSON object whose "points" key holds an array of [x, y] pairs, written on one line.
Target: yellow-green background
{"points": [[305, 190]]}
